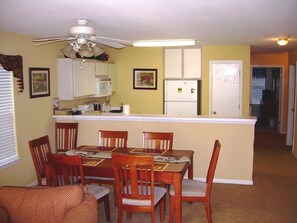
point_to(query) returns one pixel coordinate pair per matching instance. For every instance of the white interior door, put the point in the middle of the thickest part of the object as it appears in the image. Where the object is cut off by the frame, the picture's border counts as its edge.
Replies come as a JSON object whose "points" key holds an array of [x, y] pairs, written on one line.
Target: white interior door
{"points": [[225, 88]]}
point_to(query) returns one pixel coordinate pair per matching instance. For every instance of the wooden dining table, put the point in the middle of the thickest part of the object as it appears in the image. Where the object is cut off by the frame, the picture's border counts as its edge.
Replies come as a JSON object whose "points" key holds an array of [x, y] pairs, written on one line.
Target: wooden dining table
{"points": [[171, 172]]}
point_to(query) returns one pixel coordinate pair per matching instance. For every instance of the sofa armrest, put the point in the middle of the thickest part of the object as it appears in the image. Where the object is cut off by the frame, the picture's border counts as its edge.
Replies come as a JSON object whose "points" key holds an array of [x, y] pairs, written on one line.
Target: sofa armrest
{"points": [[86, 211]]}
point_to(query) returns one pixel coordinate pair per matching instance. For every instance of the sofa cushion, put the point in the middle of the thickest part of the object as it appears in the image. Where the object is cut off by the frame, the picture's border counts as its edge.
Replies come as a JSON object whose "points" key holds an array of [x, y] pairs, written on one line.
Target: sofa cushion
{"points": [[4, 217], [30, 204]]}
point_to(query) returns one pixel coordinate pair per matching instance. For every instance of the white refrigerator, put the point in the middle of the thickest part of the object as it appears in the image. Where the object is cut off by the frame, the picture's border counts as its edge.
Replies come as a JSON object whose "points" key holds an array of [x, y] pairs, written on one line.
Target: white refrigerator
{"points": [[181, 97]]}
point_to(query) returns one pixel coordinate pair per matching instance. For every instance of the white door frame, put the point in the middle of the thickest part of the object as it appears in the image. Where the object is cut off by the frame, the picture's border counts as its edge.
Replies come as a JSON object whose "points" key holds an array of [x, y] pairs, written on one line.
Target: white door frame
{"points": [[291, 106], [211, 62], [281, 93]]}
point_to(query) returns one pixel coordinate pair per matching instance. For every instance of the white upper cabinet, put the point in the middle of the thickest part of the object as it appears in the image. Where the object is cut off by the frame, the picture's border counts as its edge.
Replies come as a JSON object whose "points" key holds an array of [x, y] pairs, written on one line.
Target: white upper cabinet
{"points": [[102, 69], [173, 63], [182, 63], [192, 63], [76, 78]]}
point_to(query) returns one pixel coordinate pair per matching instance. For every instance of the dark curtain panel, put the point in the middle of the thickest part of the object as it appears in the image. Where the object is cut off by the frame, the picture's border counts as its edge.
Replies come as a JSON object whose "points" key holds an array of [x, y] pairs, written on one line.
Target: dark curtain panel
{"points": [[14, 64]]}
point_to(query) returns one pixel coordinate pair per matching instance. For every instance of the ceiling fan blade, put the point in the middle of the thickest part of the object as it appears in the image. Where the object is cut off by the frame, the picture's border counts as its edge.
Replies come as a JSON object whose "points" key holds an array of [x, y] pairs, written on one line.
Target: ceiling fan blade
{"points": [[125, 42], [51, 41], [109, 44], [54, 39]]}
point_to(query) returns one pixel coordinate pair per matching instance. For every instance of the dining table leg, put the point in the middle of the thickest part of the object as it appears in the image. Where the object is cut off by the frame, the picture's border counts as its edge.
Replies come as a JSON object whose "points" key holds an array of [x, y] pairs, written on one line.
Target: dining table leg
{"points": [[177, 183], [190, 170]]}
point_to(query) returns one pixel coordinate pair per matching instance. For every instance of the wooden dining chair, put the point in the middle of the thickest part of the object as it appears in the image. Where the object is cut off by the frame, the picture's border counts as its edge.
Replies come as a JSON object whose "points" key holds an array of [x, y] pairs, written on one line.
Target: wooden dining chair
{"points": [[198, 191], [39, 148], [110, 139], [113, 138], [66, 136], [157, 140], [135, 189], [68, 170]]}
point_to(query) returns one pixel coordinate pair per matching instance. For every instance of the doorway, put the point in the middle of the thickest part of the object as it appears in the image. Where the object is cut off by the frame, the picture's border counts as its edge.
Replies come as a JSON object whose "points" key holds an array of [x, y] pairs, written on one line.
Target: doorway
{"points": [[265, 97]]}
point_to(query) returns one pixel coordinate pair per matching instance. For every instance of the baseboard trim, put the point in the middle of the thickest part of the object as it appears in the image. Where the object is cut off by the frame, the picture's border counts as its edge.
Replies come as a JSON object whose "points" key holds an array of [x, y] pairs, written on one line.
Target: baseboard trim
{"points": [[225, 181]]}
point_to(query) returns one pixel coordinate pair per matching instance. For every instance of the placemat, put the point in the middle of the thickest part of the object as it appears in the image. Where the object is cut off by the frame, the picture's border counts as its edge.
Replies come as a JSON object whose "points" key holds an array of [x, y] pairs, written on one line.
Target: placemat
{"points": [[148, 151], [92, 162]]}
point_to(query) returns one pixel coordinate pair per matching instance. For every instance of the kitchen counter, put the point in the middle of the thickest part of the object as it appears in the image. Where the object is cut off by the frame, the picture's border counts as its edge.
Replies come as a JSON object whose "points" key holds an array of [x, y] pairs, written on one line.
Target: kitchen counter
{"points": [[196, 133], [156, 117]]}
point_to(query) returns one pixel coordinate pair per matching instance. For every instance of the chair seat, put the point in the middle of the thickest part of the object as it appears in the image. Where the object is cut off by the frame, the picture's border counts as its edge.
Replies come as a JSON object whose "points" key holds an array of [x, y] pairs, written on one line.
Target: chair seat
{"points": [[158, 192], [191, 188], [98, 191]]}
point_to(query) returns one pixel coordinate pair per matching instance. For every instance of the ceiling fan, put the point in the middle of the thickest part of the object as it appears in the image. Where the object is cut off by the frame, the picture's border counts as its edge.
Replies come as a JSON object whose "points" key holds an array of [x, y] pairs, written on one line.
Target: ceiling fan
{"points": [[82, 37]]}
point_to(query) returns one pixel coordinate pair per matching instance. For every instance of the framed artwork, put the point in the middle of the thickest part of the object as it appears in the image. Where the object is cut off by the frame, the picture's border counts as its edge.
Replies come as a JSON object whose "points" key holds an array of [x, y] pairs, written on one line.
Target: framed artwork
{"points": [[39, 79], [145, 79]]}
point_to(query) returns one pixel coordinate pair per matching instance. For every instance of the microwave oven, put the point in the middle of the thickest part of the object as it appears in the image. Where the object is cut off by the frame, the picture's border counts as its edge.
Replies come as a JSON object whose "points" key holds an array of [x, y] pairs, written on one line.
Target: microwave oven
{"points": [[103, 87]]}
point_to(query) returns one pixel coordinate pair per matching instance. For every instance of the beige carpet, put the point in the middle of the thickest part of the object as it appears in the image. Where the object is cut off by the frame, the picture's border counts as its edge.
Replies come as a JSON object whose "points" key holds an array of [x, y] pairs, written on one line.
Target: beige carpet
{"points": [[272, 198]]}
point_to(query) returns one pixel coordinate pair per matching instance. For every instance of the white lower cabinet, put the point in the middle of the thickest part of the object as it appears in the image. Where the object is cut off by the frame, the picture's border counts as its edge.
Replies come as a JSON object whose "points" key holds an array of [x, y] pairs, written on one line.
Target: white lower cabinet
{"points": [[76, 78]]}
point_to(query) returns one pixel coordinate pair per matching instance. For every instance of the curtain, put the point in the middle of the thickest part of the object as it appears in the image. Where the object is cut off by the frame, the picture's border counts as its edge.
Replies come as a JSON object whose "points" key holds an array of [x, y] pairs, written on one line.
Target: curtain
{"points": [[14, 64]]}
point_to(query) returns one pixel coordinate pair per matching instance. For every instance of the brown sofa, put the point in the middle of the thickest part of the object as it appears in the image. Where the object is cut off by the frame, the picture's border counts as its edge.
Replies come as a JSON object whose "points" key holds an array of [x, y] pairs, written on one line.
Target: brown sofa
{"points": [[47, 205]]}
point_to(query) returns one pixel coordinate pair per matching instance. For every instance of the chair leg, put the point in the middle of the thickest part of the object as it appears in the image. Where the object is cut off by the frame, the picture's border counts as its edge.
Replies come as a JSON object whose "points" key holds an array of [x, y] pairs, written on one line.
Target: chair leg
{"points": [[128, 215], [162, 209], [171, 209], [120, 215], [115, 196], [107, 208], [153, 216], [208, 212]]}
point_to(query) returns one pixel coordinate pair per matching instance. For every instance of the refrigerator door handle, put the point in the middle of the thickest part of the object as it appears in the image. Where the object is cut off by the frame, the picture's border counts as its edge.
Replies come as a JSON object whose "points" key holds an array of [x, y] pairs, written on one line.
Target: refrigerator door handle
{"points": [[193, 90]]}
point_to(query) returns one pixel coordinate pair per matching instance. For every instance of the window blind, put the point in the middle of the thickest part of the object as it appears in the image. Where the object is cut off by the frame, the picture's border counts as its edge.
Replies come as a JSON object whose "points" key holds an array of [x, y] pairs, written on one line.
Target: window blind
{"points": [[8, 151]]}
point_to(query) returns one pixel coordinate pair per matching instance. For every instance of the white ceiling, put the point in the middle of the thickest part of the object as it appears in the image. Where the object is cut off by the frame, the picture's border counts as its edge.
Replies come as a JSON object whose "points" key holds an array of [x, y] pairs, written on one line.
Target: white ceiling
{"points": [[211, 22]]}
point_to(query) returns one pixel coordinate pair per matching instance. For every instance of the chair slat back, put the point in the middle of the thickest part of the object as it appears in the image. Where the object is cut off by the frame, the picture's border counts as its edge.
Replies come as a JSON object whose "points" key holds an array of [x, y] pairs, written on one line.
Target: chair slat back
{"points": [[212, 165], [158, 140], [66, 170], [39, 148], [113, 138], [134, 178], [66, 136]]}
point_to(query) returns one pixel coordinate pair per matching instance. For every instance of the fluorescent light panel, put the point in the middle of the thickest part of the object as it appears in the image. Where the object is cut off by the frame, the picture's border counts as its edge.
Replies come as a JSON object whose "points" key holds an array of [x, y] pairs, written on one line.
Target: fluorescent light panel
{"points": [[152, 43]]}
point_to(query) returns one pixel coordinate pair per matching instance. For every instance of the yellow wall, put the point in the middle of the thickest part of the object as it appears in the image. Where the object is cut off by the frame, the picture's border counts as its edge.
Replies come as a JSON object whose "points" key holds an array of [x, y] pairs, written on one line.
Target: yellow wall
{"points": [[226, 53], [33, 116], [127, 59], [151, 101], [282, 61]]}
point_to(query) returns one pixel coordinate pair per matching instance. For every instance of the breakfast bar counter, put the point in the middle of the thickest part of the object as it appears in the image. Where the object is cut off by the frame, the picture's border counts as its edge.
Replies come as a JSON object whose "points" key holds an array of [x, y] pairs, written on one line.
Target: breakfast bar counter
{"points": [[196, 133]]}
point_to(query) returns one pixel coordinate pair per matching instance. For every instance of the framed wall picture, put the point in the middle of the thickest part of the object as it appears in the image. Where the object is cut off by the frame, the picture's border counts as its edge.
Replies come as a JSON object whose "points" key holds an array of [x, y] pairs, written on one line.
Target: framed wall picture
{"points": [[39, 79], [145, 79]]}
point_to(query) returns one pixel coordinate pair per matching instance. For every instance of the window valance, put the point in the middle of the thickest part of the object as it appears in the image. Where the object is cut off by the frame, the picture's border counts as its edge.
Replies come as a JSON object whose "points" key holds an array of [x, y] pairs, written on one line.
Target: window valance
{"points": [[14, 64]]}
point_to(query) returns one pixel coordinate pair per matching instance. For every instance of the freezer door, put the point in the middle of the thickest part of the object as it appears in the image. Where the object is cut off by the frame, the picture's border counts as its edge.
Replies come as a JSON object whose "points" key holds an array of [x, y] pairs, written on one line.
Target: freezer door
{"points": [[180, 108], [181, 90]]}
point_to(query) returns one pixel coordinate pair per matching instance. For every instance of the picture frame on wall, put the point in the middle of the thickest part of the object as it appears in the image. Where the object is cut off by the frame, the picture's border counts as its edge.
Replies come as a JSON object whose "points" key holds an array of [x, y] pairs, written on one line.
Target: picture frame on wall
{"points": [[145, 79], [39, 81]]}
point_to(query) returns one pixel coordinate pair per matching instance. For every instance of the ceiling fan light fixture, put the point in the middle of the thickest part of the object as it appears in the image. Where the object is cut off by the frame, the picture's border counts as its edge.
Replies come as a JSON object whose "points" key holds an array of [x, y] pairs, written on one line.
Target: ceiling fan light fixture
{"points": [[282, 41], [97, 50], [69, 52], [164, 43], [86, 51]]}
